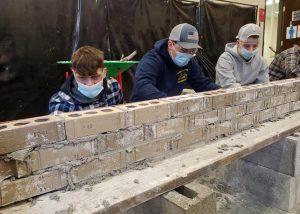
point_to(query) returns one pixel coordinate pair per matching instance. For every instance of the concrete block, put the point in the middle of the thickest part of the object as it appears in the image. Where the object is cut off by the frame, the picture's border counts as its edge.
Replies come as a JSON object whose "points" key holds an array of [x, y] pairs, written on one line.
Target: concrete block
{"points": [[268, 186], [188, 104], [189, 199], [255, 106], [283, 156], [47, 157], [146, 111], [296, 140], [20, 134], [91, 122], [192, 198], [18, 190], [282, 110], [166, 128], [100, 166], [234, 111]]}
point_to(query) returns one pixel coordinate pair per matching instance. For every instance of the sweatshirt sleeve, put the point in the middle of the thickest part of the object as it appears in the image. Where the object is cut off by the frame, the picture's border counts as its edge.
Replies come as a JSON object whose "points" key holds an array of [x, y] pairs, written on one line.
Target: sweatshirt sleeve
{"points": [[225, 72], [198, 81], [263, 75], [145, 80]]}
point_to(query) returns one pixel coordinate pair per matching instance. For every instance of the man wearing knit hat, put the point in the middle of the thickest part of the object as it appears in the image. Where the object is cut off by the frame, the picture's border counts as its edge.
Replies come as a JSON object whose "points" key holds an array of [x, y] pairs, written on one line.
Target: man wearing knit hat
{"points": [[240, 64], [164, 70]]}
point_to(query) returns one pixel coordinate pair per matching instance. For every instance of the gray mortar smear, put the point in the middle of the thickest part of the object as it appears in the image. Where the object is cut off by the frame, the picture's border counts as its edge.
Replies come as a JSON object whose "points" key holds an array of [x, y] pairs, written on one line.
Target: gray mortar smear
{"points": [[61, 130], [92, 180], [54, 196], [70, 210]]}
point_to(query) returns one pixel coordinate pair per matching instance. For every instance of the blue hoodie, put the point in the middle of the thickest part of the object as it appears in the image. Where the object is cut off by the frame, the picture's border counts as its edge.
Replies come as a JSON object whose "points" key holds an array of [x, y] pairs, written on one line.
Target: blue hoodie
{"points": [[158, 76]]}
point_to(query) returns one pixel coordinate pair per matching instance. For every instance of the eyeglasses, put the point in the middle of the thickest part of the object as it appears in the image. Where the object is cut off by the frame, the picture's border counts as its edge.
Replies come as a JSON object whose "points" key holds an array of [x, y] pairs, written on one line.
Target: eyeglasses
{"points": [[192, 51]]}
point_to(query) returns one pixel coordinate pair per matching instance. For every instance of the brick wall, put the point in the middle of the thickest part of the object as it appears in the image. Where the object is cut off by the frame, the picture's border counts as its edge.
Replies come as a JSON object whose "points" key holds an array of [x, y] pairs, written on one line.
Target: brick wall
{"points": [[44, 154]]}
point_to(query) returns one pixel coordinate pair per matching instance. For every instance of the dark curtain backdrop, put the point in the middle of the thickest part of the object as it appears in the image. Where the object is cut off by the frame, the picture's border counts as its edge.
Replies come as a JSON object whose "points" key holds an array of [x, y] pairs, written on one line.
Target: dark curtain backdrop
{"points": [[140, 25], [221, 23], [35, 34]]}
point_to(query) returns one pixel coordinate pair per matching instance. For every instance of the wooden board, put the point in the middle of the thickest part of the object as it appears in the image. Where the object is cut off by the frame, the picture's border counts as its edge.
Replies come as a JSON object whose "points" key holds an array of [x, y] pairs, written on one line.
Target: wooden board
{"points": [[131, 188]]}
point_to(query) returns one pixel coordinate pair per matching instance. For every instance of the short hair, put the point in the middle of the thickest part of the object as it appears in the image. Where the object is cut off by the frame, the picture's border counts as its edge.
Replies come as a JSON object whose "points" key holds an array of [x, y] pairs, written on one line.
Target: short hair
{"points": [[86, 60]]}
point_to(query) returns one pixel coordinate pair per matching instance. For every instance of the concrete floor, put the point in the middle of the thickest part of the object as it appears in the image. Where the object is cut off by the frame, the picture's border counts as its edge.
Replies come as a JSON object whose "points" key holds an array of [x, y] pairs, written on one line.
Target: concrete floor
{"points": [[245, 204], [236, 200]]}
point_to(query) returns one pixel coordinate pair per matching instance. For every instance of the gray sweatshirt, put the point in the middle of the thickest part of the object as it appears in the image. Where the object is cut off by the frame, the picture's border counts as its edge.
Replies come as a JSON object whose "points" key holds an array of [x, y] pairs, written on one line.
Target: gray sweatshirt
{"points": [[233, 71]]}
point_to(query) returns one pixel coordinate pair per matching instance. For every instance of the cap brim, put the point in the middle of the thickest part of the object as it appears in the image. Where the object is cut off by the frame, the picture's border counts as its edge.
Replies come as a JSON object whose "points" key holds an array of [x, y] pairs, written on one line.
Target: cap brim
{"points": [[188, 45]]}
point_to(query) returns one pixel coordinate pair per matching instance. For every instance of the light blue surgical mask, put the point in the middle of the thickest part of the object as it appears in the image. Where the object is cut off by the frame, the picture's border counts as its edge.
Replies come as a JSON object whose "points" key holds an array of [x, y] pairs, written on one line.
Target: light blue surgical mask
{"points": [[182, 59], [90, 91], [248, 54]]}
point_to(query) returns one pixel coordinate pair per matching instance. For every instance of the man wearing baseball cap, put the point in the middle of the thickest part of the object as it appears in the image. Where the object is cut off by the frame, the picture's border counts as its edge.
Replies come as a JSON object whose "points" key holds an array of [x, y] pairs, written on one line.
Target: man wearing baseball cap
{"points": [[240, 64], [164, 70]]}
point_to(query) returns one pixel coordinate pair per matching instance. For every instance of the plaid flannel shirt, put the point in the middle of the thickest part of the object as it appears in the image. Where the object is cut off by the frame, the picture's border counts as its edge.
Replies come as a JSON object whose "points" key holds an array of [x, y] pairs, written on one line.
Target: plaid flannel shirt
{"points": [[62, 102], [285, 65]]}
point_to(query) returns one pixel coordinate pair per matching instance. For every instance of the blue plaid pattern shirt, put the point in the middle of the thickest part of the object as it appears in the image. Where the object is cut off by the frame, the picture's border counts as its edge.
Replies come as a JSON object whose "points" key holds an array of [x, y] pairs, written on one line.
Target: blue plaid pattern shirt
{"points": [[62, 102]]}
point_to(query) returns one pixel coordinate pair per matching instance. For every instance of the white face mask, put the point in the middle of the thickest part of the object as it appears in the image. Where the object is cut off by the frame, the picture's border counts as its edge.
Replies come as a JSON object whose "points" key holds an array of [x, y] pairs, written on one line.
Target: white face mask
{"points": [[90, 91]]}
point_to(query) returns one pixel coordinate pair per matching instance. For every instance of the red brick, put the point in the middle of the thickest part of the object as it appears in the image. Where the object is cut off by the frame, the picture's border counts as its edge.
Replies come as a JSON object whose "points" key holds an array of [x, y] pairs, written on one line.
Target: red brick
{"points": [[44, 158], [20, 134], [217, 130], [235, 111], [255, 106], [146, 112], [18, 190], [282, 109], [166, 128], [245, 95], [155, 148], [220, 98], [91, 122], [266, 114], [191, 137], [187, 104], [98, 167], [7, 169]]}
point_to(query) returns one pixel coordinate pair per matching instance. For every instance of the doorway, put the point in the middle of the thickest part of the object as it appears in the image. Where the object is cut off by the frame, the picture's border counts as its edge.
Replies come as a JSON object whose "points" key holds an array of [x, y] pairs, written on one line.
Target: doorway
{"points": [[271, 29], [289, 22]]}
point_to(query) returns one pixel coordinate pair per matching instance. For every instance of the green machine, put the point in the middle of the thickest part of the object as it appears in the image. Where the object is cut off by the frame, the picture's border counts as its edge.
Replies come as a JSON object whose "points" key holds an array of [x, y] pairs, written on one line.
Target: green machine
{"points": [[114, 68]]}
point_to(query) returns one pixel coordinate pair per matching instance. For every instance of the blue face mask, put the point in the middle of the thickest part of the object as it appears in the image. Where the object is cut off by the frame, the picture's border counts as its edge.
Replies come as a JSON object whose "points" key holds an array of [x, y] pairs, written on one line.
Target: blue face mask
{"points": [[248, 54], [182, 59], [90, 91]]}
